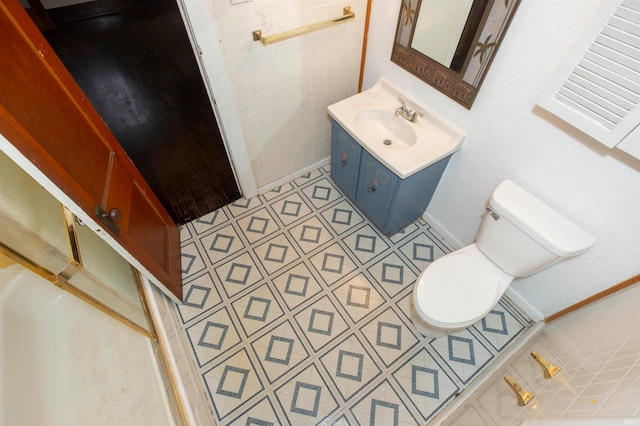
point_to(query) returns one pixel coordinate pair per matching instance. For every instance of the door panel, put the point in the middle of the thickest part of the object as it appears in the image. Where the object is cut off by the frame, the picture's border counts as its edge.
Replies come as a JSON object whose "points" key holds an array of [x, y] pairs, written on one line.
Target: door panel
{"points": [[143, 227], [45, 115], [117, 192], [23, 93], [142, 223]]}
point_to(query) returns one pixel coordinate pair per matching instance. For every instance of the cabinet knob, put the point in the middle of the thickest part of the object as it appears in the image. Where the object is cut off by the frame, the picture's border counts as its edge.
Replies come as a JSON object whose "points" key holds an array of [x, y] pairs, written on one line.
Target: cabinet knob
{"points": [[113, 214], [373, 187], [109, 218], [344, 158]]}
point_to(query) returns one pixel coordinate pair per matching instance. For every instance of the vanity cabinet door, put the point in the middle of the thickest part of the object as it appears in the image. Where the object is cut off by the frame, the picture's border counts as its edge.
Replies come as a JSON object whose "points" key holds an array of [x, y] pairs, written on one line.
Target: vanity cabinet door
{"points": [[345, 160], [376, 187]]}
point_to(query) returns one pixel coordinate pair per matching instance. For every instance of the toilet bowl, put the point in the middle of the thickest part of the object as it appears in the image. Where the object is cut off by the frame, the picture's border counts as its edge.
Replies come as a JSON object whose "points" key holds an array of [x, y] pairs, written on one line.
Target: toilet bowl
{"points": [[519, 236], [457, 291]]}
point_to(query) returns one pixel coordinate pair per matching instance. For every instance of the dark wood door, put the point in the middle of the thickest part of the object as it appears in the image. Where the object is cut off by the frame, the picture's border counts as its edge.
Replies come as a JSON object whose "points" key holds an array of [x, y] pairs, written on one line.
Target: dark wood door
{"points": [[134, 61], [48, 118]]}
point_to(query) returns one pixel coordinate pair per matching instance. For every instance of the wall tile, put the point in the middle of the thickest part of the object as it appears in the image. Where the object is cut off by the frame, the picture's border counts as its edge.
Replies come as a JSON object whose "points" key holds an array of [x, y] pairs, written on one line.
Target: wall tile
{"points": [[290, 83]]}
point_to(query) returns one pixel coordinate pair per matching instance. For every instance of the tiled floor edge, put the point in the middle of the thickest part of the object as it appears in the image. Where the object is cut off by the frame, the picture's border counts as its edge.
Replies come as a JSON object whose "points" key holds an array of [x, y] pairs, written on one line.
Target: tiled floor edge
{"points": [[513, 350], [194, 405]]}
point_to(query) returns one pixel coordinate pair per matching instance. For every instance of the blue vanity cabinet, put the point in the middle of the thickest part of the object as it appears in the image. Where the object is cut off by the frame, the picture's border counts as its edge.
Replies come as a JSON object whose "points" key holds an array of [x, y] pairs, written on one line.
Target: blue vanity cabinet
{"points": [[345, 160], [390, 203]]}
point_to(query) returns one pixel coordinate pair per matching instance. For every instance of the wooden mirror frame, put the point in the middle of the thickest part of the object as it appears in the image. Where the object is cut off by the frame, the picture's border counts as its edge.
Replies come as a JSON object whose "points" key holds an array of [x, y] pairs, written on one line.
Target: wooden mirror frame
{"points": [[460, 86]]}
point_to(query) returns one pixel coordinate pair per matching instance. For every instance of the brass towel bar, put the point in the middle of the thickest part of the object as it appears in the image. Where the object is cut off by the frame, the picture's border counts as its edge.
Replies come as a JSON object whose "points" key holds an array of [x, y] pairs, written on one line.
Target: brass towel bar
{"points": [[347, 15]]}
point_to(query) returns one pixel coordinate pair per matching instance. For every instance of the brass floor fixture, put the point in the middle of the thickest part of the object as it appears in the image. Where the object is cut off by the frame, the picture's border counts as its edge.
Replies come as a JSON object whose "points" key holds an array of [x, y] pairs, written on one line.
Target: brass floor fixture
{"points": [[548, 369], [522, 396]]}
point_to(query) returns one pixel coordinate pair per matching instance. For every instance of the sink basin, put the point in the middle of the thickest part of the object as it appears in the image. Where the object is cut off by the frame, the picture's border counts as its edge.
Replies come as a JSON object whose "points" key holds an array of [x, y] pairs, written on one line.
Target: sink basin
{"points": [[389, 130], [404, 147]]}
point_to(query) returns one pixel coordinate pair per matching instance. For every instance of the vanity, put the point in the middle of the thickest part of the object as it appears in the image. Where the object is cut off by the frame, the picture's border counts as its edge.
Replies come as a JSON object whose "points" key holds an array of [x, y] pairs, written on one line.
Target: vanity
{"points": [[388, 152]]}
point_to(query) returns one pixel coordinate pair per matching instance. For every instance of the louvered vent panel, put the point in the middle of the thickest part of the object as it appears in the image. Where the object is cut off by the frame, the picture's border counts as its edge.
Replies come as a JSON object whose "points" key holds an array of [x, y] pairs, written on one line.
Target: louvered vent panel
{"points": [[600, 94]]}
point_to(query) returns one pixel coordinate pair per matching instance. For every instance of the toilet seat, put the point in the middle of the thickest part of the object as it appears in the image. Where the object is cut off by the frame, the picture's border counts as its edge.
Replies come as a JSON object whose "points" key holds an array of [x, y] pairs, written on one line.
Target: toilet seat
{"points": [[459, 289]]}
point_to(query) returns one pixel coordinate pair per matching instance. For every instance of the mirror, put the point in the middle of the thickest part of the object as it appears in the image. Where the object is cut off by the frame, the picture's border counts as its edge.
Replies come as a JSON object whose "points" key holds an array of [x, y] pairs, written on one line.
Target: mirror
{"points": [[450, 44], [439, 38]]}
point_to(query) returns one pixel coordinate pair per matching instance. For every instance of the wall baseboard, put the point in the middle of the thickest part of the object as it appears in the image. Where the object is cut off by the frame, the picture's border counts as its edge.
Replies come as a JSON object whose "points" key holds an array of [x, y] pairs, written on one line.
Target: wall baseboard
{"points": [[448, 236], [286, 179], [620, 286]]}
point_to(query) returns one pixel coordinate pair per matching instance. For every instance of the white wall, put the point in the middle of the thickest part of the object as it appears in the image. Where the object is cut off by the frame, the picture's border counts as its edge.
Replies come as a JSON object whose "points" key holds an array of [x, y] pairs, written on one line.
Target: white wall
{"points": [[509, 137], [279, 93]]}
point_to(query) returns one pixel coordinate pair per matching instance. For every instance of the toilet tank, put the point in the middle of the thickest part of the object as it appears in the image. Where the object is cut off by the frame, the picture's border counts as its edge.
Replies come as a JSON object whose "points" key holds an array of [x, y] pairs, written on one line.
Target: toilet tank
{"points": [[523, 235]]}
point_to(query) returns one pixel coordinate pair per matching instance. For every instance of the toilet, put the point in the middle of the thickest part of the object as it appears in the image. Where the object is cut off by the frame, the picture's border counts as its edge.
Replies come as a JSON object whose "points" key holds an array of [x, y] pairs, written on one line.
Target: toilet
{"points": [[519, 236]]}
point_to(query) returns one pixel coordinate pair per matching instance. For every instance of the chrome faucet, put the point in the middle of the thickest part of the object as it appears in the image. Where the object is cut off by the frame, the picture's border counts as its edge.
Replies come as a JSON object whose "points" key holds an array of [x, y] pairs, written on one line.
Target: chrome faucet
{"points": [[402, 109], [404, 112]]}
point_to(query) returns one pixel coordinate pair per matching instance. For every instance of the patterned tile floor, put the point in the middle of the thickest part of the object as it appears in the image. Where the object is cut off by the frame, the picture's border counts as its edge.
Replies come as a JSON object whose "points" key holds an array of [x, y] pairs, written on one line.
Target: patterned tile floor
{"points": [[296, 309]]}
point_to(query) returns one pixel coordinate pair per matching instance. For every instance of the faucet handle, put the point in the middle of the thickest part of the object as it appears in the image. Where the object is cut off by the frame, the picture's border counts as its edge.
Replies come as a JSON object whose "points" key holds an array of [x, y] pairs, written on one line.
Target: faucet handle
{"points": [[415, 115], [402, 109]]}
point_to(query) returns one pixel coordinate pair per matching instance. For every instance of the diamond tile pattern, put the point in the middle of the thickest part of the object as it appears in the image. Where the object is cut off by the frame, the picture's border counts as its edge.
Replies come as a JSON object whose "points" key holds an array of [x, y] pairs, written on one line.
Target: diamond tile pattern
{"points": [[297, 312]]}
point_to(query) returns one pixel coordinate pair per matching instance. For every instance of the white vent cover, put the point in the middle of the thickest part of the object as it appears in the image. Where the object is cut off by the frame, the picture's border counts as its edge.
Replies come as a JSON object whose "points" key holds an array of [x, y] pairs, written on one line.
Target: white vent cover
{"points": [[597, 89]]}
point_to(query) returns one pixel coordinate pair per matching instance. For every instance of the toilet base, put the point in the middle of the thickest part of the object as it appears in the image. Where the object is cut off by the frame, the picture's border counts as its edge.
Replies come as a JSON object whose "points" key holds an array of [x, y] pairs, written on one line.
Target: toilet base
{"points": [[427, 330]]}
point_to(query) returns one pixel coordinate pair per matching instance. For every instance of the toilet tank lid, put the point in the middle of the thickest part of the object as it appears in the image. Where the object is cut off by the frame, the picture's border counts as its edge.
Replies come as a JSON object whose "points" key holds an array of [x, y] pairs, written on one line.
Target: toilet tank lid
{"points": [[537, 219]]}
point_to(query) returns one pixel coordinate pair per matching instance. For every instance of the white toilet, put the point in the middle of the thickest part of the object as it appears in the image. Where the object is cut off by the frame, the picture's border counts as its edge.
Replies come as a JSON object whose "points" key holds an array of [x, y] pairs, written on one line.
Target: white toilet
{"points": [[519, 236]]}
